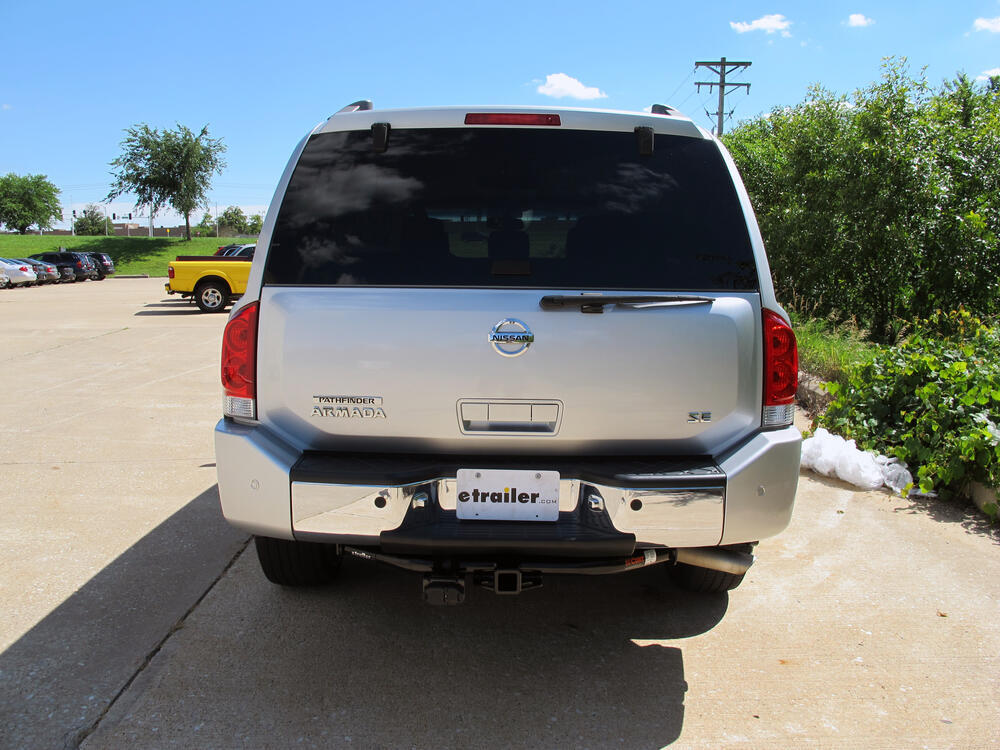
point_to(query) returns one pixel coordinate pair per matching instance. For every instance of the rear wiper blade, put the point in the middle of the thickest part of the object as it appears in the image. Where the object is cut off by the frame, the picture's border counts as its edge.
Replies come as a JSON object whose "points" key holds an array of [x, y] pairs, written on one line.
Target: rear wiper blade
{"points": [[595, 303]]}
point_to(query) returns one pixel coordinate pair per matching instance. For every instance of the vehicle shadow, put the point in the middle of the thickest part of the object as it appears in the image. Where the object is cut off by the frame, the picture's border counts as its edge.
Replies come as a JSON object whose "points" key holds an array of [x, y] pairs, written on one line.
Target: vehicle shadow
{"points": [[583, 661], [58, 678], [169, 307]]}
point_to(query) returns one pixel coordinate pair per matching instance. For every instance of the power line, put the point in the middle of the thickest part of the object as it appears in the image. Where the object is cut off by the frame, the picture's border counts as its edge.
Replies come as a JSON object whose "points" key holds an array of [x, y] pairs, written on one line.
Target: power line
{"points": [[679, 85], [720, 68]]}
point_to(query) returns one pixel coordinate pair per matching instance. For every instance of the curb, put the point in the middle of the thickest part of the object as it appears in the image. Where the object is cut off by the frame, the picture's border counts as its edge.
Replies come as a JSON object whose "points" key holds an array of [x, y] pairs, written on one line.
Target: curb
{"points": [[810, 394], [134, 276], [982, 496]]}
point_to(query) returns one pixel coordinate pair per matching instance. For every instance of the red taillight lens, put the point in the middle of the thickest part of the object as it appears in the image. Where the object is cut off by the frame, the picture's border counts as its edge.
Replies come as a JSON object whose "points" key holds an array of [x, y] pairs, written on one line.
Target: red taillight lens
{"points": [[79, 264], [781, 361], [239, 354], [24, 268], [170, 272], [510, 118]]}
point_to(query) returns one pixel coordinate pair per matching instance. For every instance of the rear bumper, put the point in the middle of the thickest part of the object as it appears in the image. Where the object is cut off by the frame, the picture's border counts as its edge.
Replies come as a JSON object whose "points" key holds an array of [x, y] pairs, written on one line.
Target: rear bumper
{"points": [[406, 504]]}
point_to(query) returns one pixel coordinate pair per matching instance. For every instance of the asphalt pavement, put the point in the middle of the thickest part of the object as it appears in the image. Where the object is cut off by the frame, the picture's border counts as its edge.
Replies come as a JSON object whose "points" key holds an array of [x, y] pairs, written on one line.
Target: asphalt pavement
{"points": [[135, 617]]}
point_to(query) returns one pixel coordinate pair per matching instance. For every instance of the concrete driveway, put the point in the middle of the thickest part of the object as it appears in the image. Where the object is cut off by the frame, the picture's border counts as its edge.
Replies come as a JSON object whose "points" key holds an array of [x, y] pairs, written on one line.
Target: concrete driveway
{"points": [[135, 617]]}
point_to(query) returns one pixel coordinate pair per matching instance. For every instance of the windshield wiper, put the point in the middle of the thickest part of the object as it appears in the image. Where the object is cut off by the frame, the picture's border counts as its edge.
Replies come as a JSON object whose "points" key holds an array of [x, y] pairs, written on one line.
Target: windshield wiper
{"points": [[595, 303]]}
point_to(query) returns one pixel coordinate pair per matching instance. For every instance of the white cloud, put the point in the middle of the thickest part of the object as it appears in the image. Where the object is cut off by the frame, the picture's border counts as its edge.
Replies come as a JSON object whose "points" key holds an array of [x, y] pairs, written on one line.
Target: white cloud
{"points": [[859, 19], [988, 74], [987, 24], [7, 106], [560, 85], [769, 23]]}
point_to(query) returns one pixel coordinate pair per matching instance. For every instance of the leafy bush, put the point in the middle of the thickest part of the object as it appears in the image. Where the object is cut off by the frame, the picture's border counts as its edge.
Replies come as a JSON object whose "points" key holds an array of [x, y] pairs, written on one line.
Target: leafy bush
{"points": [[826, 350], [933, 401], [882, 206]]}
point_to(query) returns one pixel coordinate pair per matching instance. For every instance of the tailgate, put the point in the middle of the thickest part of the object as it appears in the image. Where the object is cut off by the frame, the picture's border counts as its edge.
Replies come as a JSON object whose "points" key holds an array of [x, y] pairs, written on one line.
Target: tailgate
{"points": [[414, 369]]}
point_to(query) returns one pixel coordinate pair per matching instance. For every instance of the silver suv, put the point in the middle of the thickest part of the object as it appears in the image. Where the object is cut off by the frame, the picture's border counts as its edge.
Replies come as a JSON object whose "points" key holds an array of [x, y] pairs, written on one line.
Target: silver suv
{"points": [[491, 344]]}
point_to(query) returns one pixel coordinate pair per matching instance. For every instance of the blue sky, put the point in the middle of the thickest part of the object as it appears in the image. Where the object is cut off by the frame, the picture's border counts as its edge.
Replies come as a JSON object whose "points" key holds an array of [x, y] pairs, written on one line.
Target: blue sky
{"points": [[75, 75]]}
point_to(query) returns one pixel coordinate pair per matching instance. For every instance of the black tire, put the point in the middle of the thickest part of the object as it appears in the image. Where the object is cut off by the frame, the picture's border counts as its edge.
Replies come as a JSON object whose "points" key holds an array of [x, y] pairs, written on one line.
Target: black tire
{"points": [[706, 580], [703, 580], [211, 296], [289, 563]]}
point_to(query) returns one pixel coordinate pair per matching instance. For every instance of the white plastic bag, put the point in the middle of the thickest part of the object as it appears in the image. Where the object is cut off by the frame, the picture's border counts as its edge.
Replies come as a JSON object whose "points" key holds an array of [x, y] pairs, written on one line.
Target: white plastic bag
{"points": [[896, 476], [832, 456], [820, 452], [858, 467]]}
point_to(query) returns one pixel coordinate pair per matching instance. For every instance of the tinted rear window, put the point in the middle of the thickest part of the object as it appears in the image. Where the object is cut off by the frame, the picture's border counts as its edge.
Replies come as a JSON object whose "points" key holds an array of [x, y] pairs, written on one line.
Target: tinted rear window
{"points": [[511, 207]]}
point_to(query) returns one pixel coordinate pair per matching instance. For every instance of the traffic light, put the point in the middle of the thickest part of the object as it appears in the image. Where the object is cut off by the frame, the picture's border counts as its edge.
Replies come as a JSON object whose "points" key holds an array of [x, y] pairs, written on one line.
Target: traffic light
{"points": [[114, 217], [130, 217], [74, 213]]}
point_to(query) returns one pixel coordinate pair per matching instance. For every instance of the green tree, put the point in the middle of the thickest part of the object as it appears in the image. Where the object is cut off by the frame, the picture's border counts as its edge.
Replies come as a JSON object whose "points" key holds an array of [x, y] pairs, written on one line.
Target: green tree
{"points": [[91, 221], [172, 167], [205, 227], [233, 220], [28, 200], [254, 224], [883, 206]]}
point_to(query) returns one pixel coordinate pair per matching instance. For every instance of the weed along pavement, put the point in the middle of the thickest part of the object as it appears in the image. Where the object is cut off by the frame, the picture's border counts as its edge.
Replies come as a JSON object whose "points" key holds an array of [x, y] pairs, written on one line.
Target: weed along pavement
{"points": [[133, 616]]}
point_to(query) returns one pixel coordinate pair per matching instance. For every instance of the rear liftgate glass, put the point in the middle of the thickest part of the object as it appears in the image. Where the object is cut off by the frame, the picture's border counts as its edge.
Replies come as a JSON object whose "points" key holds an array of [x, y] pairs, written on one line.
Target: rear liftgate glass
{"points": [[541, 207]]}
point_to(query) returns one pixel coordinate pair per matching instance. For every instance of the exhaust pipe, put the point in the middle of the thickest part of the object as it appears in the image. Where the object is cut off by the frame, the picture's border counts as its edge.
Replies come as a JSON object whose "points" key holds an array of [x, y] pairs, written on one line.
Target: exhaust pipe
{"points": [[716, 558]]}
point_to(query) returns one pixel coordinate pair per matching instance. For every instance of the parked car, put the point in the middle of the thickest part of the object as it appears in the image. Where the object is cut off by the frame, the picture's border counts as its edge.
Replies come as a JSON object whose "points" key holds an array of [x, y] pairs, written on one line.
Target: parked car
{"points": [[224, 249], [102, 264], [534, 342], [81, 266], [240, 251], [213, 281], [19, 273], [46, 272], [4, 279]]}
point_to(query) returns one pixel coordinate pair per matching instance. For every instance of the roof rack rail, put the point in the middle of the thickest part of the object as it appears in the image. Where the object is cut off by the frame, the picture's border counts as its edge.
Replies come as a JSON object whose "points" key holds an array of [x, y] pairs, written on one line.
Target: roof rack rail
{"points": [[361, 105], [664, 109]]}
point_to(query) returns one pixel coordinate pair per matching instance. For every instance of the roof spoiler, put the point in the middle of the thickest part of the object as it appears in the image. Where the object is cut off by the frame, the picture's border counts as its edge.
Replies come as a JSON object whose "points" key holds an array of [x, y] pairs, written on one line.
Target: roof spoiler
{"points": [[665, 109], [361, 105]]}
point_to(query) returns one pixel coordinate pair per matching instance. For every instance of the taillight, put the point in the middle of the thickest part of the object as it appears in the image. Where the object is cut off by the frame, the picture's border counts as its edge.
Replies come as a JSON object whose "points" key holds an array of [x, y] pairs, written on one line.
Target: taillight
{"points": [[510, 118], [239, 364], [170, 272], [24, 268], [79, 264], [781, 371]]}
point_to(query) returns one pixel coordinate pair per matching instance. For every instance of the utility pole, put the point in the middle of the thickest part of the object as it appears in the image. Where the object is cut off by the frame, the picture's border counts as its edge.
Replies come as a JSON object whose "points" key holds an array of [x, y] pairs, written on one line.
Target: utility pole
{"points": [[720, 67]]}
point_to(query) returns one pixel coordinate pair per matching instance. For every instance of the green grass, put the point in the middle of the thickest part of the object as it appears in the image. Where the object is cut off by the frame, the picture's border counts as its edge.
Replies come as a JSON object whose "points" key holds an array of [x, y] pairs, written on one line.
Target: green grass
{"points": [[826, 349], [132, 255]]}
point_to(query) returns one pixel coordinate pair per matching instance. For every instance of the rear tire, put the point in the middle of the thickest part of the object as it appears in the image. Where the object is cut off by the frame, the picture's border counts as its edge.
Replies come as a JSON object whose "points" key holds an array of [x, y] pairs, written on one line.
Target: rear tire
{"points": [[289, 563], [703, 580], [706, 580], [211, 296]]}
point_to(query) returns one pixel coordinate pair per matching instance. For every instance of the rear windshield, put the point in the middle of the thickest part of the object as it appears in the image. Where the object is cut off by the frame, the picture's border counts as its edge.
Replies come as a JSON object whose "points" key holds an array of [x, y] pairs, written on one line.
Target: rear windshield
{"points": [[511, 207]]}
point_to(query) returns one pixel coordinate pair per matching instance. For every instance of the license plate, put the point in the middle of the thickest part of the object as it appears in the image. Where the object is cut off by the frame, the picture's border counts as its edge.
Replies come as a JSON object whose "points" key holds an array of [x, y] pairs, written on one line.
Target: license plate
{"points": [[504, 495]]}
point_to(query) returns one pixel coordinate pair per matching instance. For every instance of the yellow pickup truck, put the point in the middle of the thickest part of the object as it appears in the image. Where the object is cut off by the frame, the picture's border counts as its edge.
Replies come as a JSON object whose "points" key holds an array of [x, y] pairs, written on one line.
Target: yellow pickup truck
{"points": [[212, 280]]}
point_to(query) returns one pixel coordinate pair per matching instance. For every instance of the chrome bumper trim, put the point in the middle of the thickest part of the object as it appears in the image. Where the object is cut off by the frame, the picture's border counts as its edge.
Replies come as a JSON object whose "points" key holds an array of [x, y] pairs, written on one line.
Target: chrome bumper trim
{"points": [[760, 477], [670, 517]]}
